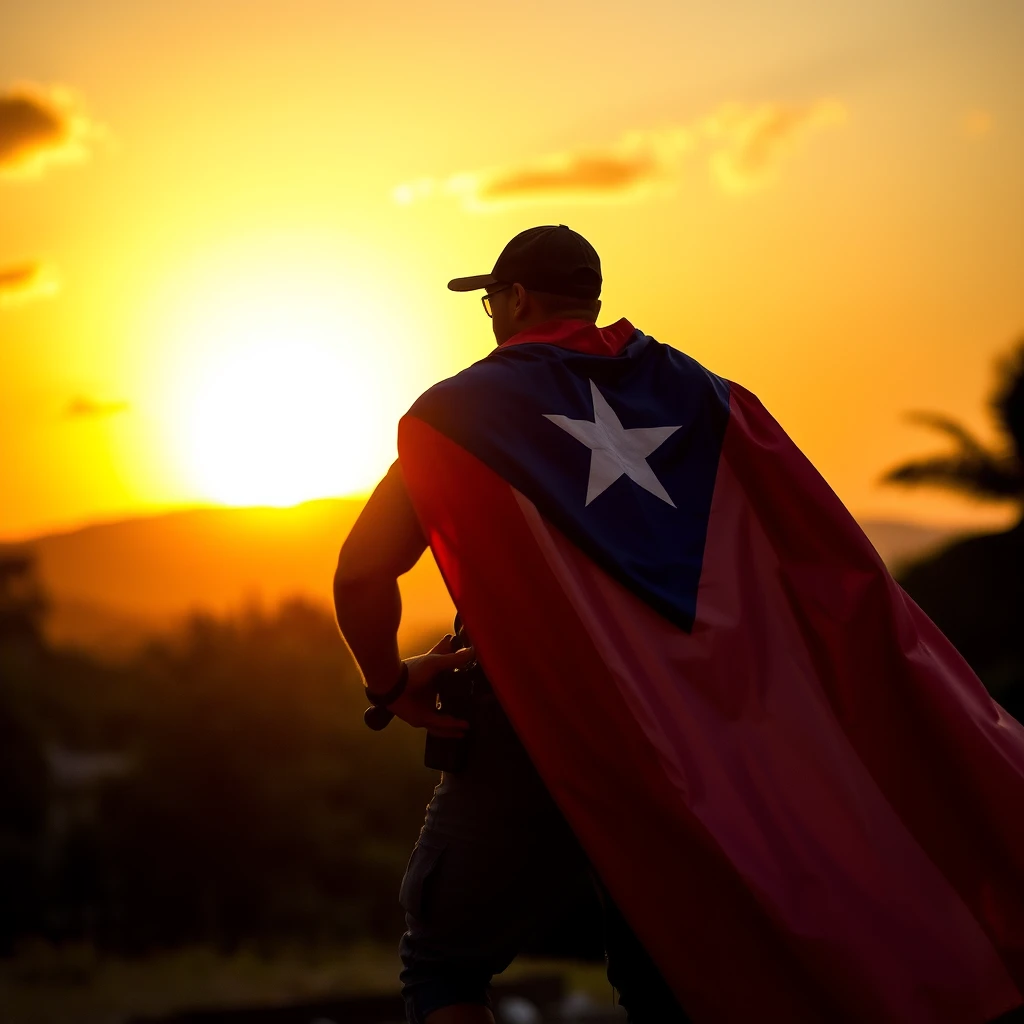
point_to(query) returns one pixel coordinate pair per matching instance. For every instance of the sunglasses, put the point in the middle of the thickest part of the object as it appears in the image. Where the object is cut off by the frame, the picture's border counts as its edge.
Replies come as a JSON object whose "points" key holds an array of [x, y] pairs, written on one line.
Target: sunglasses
{"points": [[486, 299]]}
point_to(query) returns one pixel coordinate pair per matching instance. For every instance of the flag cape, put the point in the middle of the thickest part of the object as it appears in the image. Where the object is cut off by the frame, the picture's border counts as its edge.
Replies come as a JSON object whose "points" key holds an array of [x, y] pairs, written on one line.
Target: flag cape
{"points": [[802, 798]]}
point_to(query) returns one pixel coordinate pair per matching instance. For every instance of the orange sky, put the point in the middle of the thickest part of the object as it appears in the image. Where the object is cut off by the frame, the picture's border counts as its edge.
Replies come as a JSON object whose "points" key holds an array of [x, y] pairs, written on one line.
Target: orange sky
{"points": [[226, 228]]}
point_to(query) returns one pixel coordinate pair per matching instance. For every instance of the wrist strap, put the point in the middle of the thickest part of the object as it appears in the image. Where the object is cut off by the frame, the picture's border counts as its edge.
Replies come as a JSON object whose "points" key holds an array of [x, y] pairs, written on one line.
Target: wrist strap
{"points": [[382, 700]]}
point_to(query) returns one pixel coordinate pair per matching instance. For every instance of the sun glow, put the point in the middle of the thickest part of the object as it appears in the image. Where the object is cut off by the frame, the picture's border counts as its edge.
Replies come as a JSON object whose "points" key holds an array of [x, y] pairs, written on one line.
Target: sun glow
{"points": [[283, 397]]}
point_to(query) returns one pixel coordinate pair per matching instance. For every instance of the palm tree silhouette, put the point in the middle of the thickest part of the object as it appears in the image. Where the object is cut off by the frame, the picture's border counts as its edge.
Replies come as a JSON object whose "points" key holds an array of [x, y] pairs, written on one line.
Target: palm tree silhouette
{"points": [[972, 468], [974, 589]]}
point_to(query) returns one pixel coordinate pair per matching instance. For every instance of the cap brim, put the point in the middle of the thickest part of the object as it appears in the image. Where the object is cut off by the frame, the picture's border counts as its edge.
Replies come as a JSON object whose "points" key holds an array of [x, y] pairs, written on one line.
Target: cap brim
{"points": [[471, 284]]}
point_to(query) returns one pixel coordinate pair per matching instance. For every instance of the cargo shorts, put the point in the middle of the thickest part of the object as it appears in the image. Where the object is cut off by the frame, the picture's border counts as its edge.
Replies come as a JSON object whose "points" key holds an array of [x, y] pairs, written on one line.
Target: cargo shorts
{"points": [[494, 865]]}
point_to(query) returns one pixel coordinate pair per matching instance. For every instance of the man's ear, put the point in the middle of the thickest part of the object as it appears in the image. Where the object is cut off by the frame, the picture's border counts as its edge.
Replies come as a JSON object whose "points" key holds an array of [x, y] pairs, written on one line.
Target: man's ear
{"points": [[522, 302]]}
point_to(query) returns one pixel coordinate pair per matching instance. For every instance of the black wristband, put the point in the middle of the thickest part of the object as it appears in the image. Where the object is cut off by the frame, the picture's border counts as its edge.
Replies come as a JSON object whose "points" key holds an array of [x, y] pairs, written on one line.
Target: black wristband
{"points": [[382, 700]]}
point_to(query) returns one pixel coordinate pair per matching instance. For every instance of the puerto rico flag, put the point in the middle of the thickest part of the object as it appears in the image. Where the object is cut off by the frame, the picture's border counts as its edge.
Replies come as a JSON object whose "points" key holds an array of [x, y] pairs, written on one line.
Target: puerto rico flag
{"points": [[801, 797]]}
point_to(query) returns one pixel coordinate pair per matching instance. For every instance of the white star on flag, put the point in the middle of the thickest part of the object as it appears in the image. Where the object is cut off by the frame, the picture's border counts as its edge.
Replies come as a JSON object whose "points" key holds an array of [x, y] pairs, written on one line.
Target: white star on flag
{"points": [[616, 451]]}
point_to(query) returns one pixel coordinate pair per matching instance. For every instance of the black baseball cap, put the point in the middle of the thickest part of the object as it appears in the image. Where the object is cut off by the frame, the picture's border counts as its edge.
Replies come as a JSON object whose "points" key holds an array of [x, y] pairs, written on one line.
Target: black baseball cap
{"points": [[550, 258]]}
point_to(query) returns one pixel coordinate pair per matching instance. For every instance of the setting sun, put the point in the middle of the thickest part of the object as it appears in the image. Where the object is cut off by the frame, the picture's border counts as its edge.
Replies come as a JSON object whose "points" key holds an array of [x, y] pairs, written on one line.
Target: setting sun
{"points": [[272, 424], [281, 395]]}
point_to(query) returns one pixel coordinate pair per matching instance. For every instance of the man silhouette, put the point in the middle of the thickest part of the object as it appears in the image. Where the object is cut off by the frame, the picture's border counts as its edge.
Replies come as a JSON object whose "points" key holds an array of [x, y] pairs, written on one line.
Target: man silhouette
{"points": [[793, 788], [495, 859]]}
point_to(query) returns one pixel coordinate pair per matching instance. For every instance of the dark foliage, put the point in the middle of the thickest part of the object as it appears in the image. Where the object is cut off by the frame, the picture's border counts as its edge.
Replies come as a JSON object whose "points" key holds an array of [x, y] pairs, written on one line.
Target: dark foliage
{"points": [[974, 590], [220, 788]]}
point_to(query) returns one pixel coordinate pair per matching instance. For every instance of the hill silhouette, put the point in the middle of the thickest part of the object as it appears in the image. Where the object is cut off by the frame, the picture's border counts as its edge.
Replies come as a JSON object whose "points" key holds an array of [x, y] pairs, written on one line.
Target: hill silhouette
{"points": [[112, 585]]}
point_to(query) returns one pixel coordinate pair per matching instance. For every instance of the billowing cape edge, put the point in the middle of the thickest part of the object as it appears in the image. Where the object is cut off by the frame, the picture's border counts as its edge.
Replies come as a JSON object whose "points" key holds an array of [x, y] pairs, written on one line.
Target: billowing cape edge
{"points": [[808, 808]]}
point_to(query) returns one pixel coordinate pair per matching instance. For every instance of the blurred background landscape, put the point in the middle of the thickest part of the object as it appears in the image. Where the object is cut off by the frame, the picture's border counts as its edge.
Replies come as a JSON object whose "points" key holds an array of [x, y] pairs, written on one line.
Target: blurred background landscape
{"points": [[225, 232]]}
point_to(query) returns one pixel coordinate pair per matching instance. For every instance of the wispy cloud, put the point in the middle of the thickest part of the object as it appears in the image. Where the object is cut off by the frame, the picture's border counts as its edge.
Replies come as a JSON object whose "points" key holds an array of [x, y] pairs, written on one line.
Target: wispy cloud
{"points": [[40, 127], [83, 408], [23, 282], [750, 143], [744, 146]]}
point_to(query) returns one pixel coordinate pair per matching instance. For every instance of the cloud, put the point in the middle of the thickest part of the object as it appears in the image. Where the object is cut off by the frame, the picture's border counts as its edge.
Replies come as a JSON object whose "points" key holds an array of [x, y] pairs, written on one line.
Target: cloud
{"points": [[744, 146], [82, 408], [40, 127], [636, 164], [750, 143], [23, 282], [597, 174]]}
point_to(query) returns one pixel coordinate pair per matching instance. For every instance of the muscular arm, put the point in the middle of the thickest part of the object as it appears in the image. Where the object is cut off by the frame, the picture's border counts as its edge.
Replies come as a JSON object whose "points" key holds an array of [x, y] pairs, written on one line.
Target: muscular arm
{"points": [[385, 542]]}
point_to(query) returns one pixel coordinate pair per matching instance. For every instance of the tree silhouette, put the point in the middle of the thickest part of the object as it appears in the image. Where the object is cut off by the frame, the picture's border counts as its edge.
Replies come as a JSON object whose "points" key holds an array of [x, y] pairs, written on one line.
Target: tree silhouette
{"points": [[974, 589], [972, 468]]}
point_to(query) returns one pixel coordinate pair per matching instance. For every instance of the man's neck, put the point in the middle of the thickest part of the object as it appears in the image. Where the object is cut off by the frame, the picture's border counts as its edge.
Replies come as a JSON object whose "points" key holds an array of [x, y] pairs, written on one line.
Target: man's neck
{"points": [[542, 327], [578, 335]]}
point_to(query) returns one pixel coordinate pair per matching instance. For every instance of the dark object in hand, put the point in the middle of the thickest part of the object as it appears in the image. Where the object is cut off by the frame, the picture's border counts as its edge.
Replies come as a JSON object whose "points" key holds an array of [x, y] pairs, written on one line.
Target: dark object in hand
{"points": [[377, 716], [455, 689]]}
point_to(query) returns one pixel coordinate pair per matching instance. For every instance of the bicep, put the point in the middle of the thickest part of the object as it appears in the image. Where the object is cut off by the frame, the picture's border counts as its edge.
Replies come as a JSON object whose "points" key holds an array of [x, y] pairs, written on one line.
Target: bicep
{"points": [[386, 540]]}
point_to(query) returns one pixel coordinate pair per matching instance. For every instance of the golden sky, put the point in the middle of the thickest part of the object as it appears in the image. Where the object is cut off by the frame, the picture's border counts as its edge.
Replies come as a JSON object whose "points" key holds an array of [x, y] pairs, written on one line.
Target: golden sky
{"points": [[227, 227]]}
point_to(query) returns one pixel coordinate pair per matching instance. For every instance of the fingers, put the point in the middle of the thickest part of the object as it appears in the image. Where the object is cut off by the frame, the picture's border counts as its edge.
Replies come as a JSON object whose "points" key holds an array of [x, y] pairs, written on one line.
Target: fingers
{"points": [[423, 669], [454, 660], [443, 646]]}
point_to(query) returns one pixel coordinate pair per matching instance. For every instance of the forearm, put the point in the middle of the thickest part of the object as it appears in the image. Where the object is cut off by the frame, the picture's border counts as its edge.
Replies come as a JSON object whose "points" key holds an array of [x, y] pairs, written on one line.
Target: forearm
{"points": [[385, 542], [368, 613], [369, 610]]}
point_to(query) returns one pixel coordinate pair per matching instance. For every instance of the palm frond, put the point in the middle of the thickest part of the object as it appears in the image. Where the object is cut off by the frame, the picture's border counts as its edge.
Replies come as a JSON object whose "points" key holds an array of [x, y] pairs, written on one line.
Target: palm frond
{"points": [[973, 468], [981, 475], [969, 444]]}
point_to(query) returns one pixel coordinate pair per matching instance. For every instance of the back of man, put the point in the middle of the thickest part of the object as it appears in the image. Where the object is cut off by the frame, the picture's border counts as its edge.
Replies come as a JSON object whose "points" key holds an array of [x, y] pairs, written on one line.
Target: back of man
{"points": [[679, 618], [495, 859]]}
